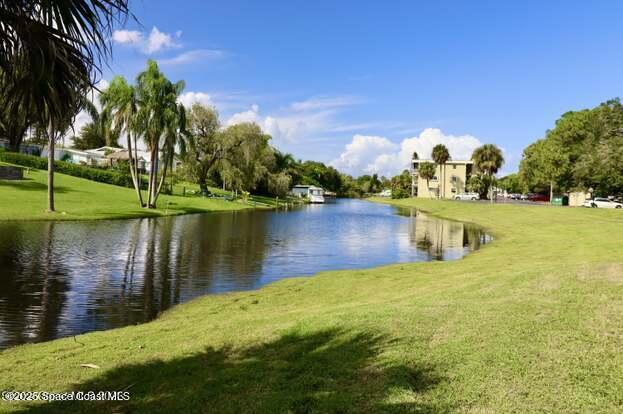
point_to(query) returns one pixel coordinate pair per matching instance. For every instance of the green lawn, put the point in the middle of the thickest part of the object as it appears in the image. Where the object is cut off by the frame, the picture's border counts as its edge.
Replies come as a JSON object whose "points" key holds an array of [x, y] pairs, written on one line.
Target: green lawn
{"points": [[80, 199], [532, 322]]}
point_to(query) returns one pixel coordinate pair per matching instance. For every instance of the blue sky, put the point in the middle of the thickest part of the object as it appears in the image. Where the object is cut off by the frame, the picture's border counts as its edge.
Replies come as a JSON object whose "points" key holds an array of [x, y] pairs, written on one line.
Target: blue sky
{"points": [[362, 84]]}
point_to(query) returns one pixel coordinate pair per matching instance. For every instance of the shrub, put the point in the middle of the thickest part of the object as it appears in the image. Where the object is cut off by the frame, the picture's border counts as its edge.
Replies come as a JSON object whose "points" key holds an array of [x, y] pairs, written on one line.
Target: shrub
{"points": [[93, 174], [399, 193]]}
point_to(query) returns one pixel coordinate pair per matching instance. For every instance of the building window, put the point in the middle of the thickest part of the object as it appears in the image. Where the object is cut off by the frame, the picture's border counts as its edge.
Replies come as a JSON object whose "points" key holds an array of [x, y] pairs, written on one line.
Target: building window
{"points": [[454, 167]]}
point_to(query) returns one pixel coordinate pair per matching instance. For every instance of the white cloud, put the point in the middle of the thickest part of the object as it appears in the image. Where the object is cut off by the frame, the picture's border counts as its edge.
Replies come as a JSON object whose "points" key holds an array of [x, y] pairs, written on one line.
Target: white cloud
{"points": [[252, 115], [368, 155], [189, 98], [362, 151], [193, 56], [299, 120], [158, 40], [128, 37], [155, 42]]}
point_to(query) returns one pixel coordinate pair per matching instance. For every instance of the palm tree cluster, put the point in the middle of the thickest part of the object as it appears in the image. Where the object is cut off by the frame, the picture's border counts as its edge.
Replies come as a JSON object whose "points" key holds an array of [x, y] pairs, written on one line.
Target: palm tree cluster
{"points": [[488, 159], [51, 53], [148, 111]]}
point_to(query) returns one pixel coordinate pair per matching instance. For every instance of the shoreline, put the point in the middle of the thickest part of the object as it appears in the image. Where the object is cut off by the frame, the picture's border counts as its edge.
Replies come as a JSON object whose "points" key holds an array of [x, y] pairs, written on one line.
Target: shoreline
{"points": [[452, 319]]}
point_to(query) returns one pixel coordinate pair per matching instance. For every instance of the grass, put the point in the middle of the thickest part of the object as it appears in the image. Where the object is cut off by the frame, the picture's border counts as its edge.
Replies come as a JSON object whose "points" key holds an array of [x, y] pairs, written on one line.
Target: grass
{"points": [[532, 322], [80, 199]]}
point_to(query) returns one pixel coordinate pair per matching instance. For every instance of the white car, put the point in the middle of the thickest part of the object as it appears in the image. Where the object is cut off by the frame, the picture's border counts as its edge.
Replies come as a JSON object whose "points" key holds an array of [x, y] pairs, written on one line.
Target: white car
{"points": [[602, 203], [467, 196]]}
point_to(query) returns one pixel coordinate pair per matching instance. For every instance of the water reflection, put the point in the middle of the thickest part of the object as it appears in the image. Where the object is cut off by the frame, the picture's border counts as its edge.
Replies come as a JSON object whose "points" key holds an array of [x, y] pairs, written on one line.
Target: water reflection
{"points": [[61, 279]]}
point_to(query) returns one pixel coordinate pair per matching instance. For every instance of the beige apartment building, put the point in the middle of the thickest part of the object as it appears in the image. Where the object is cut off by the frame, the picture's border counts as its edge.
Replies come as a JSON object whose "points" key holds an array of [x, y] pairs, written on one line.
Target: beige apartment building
{"points": [[456, 175]]}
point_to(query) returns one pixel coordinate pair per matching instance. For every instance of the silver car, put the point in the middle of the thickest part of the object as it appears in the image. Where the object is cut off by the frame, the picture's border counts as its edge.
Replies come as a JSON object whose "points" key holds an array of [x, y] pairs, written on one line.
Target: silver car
{"points": [[467, 196]]}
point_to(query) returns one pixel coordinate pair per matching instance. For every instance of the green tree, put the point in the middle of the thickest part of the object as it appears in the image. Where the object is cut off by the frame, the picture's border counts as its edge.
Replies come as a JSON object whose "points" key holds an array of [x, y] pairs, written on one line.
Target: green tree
{"points": [[158, 117], [441, 156], [544, 164], [426, 170], [488, 159], [203, 146], [50, 53], [121, 102]]}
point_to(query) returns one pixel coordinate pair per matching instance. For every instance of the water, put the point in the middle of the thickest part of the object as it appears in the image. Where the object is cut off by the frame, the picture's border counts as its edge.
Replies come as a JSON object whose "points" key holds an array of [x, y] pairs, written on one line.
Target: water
{"points": [[61, 279]]}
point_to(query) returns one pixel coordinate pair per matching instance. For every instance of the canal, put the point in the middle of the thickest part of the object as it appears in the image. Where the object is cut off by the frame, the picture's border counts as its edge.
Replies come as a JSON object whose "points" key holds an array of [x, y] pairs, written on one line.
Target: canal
{"points": [[65, 278]]}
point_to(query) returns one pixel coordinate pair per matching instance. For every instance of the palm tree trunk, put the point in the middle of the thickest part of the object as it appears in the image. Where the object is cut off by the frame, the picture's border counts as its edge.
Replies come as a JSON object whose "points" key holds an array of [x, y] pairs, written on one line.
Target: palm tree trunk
{"points": [[134, 171], [551, 191], [154, 178], [51, 168], [162, 176]]}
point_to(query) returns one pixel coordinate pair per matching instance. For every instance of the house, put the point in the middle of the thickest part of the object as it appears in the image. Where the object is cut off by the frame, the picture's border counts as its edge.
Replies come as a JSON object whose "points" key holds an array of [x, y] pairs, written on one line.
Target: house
{"points": [[456, 175], [91, 157], [311, 192]]}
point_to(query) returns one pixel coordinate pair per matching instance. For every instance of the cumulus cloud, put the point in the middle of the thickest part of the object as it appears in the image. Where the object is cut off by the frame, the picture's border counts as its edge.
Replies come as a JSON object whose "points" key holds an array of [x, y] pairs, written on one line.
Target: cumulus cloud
{"points": [[369, 155], [189, 98], [128, 37], [155, 42], [298, 120]]}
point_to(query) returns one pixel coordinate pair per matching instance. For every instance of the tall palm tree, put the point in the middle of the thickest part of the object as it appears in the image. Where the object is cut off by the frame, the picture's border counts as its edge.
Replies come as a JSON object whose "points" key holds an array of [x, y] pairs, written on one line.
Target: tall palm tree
{"points": [[441, 156], [488, 159], [120, 101], [426, 170], [175, 129], [158, 110], [51, 53]]}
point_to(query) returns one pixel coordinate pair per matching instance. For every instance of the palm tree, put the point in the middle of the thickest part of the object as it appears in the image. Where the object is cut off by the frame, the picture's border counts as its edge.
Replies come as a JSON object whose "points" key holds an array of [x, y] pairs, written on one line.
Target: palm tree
{"points": [[441, 156], [426, 170], [488, 159], [120, 101], [158, 112], [50, 53]]}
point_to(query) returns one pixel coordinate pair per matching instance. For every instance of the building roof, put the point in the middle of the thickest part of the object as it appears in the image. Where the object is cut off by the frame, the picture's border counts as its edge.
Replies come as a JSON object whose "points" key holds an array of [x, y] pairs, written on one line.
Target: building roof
{"points": [[121, 155], [456, 162]]}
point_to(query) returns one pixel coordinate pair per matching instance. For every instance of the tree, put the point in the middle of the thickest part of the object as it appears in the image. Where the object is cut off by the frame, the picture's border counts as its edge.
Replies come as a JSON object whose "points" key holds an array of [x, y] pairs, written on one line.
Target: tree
{"points": [[49, 57], [202, 145], [157, 117], [100, 131], [441, 156], [488, 160], [248, 155], [426, 170], [543, 164], [400, 184], [121, 102]]}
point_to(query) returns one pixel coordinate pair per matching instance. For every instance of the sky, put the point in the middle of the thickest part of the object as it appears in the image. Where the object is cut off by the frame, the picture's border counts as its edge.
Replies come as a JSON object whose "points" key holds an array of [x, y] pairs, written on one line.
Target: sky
{"points": [[360, 85]]}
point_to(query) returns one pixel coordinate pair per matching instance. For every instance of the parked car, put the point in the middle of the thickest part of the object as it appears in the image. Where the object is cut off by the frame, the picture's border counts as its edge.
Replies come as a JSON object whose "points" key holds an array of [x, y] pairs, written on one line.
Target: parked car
{"points": [[538, 197], [523, 197], [599, 202], [514, 196], [467, 196]]}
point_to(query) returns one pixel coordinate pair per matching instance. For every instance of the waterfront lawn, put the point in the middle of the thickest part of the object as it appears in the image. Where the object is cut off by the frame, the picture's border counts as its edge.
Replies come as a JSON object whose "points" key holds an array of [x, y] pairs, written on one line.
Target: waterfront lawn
{"points": [[80, 199], [532, 322]]}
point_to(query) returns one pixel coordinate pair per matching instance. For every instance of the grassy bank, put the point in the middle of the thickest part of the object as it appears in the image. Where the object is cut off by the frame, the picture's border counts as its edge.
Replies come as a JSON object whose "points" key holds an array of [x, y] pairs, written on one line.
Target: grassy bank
{"points": [[530, 323], [80, 199]]}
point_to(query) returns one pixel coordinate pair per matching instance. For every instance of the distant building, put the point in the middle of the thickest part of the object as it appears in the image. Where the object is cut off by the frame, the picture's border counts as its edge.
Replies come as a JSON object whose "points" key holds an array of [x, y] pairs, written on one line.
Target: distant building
{"points": [[311, 192], [456, 175]]}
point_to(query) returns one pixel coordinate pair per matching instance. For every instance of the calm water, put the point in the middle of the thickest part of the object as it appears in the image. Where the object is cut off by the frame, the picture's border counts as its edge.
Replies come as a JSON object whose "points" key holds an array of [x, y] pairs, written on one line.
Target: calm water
{"points": [[61, 279]]}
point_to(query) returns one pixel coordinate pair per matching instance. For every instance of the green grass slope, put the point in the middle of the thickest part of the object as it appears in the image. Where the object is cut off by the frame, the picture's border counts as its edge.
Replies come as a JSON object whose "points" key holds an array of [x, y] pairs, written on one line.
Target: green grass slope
{"points": [[532, 322], [80, 199]]}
